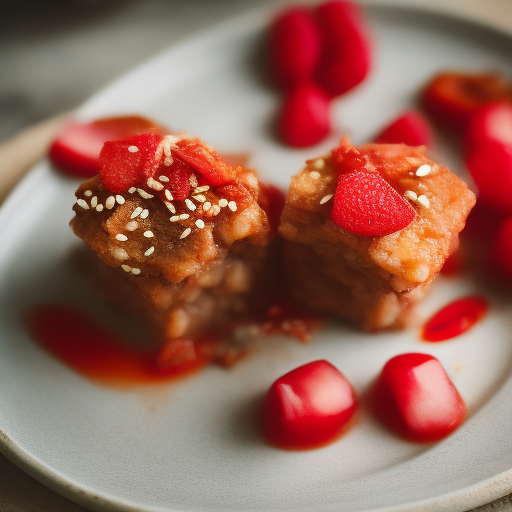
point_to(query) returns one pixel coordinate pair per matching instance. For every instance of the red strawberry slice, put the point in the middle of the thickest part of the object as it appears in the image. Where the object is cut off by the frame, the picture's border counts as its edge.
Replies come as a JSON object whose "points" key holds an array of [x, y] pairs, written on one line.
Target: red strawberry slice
{"points": [[77, 148], [366, 205], [410, 128], [128, 162], [179, 179], [205, 160], [490, 122]]}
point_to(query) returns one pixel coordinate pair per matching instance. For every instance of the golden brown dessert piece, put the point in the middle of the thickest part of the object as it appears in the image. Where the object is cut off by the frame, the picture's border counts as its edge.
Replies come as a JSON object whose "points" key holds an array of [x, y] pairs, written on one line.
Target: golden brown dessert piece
{"points": [[371, 281]]}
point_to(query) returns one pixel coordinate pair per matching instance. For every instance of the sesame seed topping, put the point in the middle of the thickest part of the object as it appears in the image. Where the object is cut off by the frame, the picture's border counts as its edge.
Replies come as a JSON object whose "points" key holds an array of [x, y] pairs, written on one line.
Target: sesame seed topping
{"points": [[94, 202], [184, 216], [136, 271], [163, 178], [314, 175], [120, 254], [144, 194], [223, 202], [152, 183], [423, 170], [200, 197], [252, 180], [88, 193], [232, 206], [150, 251], [319, 163], [190, 205], [120, 199], [135, 212], [126, 268], [202, 188], [168, 195], [410, 194], [148, 234], [207, 206], [82, 203], [132, 225], [99, 208], [193, 181], [170, 207], [133, 149], [326, 198], [144, 214], [185, 233], [423, 199], [215, 209], [175, 218], [200, 223], [110, 202], [131, 190], [121, 237]]}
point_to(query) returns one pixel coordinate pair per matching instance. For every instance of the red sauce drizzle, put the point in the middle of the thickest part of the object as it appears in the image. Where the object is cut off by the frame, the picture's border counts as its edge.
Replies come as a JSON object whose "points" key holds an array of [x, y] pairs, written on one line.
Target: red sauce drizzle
{"points": [[100, 355], [454, 319]]}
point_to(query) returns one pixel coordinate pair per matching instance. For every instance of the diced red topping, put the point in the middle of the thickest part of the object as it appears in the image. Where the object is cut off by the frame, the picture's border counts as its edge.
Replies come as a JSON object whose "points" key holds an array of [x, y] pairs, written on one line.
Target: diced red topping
{"points": [[77, 148], [304, 119], [294, 47], [366, 205], [128, 162], [308, 406], [501, 250], [179, 174], [492, 122], [415, 398], [272, 201], [410, 128]]}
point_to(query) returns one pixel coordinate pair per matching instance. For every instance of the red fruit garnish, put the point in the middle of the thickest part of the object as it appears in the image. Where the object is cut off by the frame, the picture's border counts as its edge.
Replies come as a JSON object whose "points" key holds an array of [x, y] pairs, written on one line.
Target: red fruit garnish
{"points": [[304, 119], [346, 58], [501, 249], [415, 398], [366, 205], [128, 162], [490, 165], [308, 406], [205, 160], [179, 179], [77, 148], [294, 47], [272, 200], [490, 122], [450, 98], [410, 129]]}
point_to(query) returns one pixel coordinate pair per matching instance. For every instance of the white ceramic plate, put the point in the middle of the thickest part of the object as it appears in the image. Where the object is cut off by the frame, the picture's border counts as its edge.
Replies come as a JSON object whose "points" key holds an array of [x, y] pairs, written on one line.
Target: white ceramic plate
{"points": [[194, 445]]}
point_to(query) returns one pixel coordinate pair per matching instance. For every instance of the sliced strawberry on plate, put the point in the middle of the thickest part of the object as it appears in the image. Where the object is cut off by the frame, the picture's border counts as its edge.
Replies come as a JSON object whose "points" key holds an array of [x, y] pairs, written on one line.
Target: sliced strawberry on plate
{"points": [[77, 148], [366, 205], [410, 128], [128, 162], [490, 122]]}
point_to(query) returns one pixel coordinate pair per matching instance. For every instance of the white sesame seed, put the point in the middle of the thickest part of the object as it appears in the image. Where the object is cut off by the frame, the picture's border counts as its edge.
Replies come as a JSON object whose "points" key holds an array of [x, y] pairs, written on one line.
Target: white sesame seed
{"points": [[120, 254], [110, 202], [200, 197], [88, 193], [163, 178], [148, 234], [232, 206], [215, 209], [168, 160], [170, 207], [152, 183], [144, 194], [202, 188], [150, 251], [207, 206], [135, 212], [326, 198], [133, 149], [185, 233], [423, 170], [82, 203], [132, 225], [319, 163], [314, 175], [120, 199], [131, 190], [252, 180], [126, 268], [99, 207], [423, 199], [190, 205], [410, 194], [223, 202], [136, 271], [175, 218], [168, 195], [193, 180], [121, 237], [144, 214], [200, 223], [184, 216], [94, 202]]}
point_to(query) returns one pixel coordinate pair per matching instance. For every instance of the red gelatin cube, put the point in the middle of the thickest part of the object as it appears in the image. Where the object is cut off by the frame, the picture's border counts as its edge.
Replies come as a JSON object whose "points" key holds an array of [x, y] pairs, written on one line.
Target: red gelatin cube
{"points": [[308, 406], [491, 122], [410, 128], [415, 398]]}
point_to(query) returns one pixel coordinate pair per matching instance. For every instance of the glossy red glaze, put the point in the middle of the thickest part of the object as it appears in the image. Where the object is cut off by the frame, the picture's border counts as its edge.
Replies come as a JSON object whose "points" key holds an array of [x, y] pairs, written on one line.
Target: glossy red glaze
{"points": [[455, 319], [410, 128], [415, 398], [308, 407]]}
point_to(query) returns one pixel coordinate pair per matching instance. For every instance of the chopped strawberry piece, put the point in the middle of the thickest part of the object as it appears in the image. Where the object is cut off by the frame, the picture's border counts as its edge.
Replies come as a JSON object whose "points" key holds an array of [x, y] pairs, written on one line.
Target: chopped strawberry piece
{"points": [[450, 98], [77, 148], [179, 179], [490, 122], [366, 205], [410, 128], [128, 162], [294, 47], [304, 119], [346, 59], [205, 160], [272, 200]]}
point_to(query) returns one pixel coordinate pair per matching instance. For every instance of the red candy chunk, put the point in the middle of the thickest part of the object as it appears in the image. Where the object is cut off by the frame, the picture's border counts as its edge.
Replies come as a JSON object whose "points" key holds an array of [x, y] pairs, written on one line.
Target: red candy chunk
{"points": [[451, 98], [410, 128], [308, 407], [491, 122], [346, 58], [294, 47], [304, 119], [77, 148], [416, 399], [366, 205], [128, 162]]}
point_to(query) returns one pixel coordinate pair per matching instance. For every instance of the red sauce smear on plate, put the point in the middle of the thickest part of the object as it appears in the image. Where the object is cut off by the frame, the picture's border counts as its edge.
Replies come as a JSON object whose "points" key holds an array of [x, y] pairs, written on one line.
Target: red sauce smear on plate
{"points": [[100, 355], [454, 319]]}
